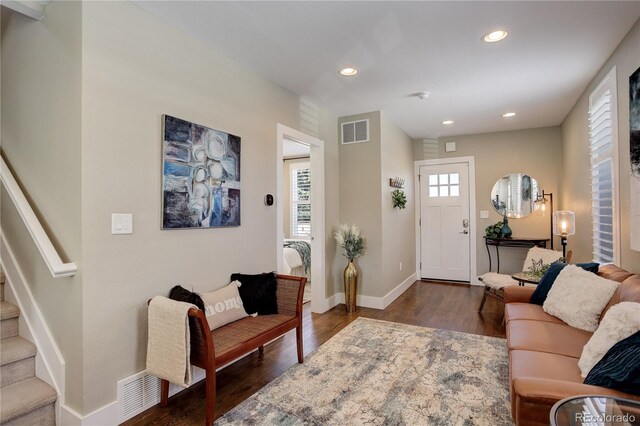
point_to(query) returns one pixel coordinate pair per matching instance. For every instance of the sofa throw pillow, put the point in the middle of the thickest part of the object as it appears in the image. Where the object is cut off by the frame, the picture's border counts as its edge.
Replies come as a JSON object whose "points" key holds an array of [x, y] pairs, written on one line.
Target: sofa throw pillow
{"points": [[538, 257], [181, 294], [258, 292], [619, 369], [542, 290], [223, 306], [578, 297], [620, 322]]}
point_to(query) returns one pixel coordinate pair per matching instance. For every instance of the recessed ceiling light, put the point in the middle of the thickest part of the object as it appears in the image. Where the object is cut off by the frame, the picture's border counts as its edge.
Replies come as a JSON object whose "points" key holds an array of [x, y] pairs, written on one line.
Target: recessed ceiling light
{"points": [[494, 36], [447, 122], [508, 114], [349, 71]]}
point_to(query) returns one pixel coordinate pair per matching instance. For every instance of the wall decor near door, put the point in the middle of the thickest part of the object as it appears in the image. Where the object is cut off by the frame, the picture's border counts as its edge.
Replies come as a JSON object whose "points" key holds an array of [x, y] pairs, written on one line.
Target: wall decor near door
{"points": [[634, 143], [200, 176]]}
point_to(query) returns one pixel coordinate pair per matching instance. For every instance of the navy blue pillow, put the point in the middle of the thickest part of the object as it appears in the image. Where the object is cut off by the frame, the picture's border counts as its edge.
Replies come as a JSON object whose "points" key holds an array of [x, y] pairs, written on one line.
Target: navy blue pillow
{"points": [[619, 368], [542, 290]]}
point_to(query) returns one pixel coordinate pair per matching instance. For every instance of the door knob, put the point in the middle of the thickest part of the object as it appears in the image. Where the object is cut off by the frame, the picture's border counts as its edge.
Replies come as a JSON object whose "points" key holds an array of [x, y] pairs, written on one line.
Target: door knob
{"points": [[464, 232]]}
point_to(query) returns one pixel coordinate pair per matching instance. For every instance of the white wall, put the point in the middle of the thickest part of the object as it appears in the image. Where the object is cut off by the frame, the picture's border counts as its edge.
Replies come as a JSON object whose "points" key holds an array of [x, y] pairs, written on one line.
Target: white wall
{"points": [[536, 152], [361, 202], [398, 226], [41, 141], [365, 199], [135, 69], [575, 161]]}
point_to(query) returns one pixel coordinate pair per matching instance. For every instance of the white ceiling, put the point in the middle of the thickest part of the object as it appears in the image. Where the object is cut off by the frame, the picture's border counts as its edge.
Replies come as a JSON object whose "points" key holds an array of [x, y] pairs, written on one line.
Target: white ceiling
{"points": [[553, 51]]}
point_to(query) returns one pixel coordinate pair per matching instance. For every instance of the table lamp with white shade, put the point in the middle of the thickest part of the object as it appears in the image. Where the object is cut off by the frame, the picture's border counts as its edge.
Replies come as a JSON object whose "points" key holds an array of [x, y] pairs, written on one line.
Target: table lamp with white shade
{"points": [[564, 224]]}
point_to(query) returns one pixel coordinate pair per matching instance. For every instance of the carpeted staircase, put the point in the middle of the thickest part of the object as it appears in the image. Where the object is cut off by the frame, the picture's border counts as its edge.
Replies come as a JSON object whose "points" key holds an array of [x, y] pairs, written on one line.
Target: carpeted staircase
{"points": [[24, 399]]}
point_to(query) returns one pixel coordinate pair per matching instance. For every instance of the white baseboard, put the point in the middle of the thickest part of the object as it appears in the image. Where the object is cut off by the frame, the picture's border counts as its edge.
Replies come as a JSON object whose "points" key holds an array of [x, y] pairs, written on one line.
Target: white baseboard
{"points": [[370, 301], [332, 301], [396, 292], [50, 365], [104, 416]]}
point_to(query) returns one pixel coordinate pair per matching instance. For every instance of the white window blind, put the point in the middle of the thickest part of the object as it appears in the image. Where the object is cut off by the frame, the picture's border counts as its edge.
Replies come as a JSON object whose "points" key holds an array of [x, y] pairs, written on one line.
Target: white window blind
{"points": [[603, 152], [300, 200]]}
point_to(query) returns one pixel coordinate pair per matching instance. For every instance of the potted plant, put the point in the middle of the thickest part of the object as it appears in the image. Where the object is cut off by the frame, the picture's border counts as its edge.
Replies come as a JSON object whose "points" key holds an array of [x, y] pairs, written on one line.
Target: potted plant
{"points": [[349, 239], [399, 199]]}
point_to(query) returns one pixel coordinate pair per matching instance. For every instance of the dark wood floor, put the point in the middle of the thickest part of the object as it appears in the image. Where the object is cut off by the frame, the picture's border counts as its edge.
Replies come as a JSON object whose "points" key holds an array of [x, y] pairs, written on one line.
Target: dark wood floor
{"points": [[443, 306]]}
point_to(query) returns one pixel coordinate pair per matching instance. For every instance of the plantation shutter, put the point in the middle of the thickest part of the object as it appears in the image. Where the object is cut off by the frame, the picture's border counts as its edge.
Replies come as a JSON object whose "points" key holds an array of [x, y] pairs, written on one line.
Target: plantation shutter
{"points": [[602, 122], [300, 200]]}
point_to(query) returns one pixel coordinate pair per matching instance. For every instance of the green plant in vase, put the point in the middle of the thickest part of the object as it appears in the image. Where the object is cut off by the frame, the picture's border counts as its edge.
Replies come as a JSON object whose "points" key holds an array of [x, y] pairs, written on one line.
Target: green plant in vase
{"points": [[349, 239], [493, 231]]}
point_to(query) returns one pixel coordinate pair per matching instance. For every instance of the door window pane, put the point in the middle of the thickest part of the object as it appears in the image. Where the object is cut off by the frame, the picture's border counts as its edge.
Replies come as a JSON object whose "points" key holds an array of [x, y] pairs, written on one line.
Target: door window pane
{"points": [[444, 191], [433, 179], [454, 178], [444, 179], [455, 191], [433, 191]]}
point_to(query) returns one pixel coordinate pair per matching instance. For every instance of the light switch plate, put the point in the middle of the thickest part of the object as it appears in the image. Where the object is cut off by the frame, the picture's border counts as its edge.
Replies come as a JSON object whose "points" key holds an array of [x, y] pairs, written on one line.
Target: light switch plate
{"points": [[121, 223], [484, 214], [450, 147]]}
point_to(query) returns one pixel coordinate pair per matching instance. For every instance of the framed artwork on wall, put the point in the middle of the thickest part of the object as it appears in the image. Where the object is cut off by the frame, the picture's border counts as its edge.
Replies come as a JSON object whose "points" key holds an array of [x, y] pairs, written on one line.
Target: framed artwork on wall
{"points": [[634, 144], [200, 176]]}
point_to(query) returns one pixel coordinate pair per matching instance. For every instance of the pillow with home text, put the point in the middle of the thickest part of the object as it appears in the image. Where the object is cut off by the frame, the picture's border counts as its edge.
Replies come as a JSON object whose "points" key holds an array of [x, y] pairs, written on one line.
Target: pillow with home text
{"points": [[223, 306]]}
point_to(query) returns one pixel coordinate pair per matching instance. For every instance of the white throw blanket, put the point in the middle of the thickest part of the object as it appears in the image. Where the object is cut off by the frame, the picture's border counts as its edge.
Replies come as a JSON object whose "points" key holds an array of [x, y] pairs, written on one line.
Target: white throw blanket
{"points": [[168, 346]]}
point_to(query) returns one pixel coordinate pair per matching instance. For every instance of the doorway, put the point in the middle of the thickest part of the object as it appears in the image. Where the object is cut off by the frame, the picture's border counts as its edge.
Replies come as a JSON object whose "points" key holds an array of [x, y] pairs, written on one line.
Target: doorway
{"points": [[446, 234], [300, 198]]}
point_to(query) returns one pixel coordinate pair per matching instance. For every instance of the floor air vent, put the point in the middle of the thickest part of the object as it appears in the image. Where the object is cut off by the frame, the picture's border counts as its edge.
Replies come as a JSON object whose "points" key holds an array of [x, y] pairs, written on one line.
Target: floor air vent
{"points": [[355, 132], [141, 391]]}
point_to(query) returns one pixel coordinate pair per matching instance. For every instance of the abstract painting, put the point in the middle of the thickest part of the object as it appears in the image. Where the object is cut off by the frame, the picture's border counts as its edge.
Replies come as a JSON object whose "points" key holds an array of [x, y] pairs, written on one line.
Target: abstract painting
{"points": [[200, 176], [634, 143]]}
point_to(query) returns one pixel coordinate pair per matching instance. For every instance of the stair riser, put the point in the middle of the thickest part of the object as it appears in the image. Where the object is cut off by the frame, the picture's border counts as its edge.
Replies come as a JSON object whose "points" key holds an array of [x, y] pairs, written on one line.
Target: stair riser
{"points": [[8, 328], [43, 416], [17, 371]]}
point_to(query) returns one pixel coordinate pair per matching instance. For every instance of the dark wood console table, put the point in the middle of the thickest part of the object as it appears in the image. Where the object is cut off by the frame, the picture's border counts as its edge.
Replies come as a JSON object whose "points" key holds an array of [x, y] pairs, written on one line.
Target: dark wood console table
{"points": [[511, 242]]}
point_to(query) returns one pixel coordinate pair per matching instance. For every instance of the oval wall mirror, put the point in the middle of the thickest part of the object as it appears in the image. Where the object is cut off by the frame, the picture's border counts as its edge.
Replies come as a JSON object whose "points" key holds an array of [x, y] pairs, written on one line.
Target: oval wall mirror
{"points": [[514, 195]]}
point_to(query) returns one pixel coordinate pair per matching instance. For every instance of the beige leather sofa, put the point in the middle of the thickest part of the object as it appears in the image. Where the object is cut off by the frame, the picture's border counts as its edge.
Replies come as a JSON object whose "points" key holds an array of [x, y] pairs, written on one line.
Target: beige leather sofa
{"points": [[544, 351]]}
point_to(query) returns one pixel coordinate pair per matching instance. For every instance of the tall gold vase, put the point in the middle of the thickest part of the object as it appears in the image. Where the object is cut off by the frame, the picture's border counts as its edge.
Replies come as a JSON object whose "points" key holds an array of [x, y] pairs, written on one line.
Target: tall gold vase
{"points": [[350, 286]]}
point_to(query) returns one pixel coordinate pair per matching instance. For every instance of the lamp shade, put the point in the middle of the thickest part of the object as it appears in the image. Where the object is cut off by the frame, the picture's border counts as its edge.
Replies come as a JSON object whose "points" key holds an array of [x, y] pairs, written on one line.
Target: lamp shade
{"points": [[540, 206], [564, 222]]}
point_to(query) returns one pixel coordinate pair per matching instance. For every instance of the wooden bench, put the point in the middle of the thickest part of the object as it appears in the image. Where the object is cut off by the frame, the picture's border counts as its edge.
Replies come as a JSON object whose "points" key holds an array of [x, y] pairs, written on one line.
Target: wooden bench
{"points": [[213, 349]]}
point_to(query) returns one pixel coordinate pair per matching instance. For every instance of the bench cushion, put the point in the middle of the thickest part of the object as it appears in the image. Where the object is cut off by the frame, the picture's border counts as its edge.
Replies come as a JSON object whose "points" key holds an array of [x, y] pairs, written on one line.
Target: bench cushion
{"points": [[241, 331]]}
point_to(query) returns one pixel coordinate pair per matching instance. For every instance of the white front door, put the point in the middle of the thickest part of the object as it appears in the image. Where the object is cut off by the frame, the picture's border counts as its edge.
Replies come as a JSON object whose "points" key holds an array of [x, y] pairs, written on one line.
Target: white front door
{"points": [[444, 222]]}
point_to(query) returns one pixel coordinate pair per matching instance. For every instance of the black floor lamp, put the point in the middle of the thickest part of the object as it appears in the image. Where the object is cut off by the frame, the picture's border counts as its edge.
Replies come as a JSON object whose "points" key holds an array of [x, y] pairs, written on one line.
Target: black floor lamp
{"points": [[540, 205]]}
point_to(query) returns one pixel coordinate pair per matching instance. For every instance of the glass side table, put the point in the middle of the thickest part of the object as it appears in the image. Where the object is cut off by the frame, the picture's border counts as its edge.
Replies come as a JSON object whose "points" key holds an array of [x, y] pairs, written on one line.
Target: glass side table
{"points": [[524, 278], [595, 410]]}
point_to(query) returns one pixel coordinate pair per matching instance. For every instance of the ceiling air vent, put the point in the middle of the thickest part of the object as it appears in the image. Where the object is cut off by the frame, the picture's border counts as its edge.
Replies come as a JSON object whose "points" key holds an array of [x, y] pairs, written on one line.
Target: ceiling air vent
{"points": [[355, 132]]}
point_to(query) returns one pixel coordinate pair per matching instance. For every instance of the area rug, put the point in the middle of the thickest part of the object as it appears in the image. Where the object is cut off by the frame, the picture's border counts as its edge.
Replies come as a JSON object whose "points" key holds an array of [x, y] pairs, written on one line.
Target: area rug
{"points": [[383, 373]]}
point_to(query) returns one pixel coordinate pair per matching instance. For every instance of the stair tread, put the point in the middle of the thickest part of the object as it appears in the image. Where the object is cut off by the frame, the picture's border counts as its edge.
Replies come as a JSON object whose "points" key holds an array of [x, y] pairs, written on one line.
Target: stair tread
{"points": [[8, 311], [23, 397], [14, 349]]}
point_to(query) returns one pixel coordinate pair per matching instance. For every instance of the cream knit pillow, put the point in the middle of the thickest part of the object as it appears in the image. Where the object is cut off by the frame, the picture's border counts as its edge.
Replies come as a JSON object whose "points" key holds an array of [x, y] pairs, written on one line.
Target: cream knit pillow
{"points": [[223, 306], [578, 297], [620, 322]]}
